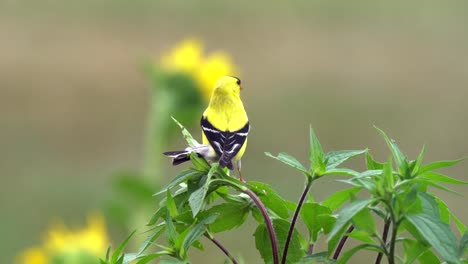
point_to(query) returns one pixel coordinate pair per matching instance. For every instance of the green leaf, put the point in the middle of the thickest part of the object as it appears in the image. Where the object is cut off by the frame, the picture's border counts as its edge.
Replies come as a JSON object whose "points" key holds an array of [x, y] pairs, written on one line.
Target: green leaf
{"points": [[316, 154], [335, 158], [199, 163], [463, 245], [437, 177], [437, 233], [170, 204], [289, 160], [347, 213], [340, 171], [182, 177], [362, 236], [399, 157], [263, 244], [230, 215], [118, 252], [337, 199], [319, 257], [418, 162], [198, 230], [372, 164], [413, 250], [310, 213], [149, 257], [197, 197], [348, 254], [270, 198], [438, 165], [171, 233], [157, 232], [188, 137], [158, 214], [364, 221], [429, 257]]}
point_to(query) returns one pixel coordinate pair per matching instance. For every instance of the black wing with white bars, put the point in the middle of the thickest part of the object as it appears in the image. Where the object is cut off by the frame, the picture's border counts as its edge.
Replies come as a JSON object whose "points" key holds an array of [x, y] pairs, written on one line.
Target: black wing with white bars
{"points": [[226, 144]]}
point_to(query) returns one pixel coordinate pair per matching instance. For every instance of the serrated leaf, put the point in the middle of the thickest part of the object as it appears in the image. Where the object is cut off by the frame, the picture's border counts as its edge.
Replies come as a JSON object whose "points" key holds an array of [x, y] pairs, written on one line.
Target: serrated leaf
{"points": [[197, 197], [230, 215], [438, 165], [438, 177], [337, 199], [438, 234], [183, 176], [310, 213], [263, 244], [289, 160], [340, 171], [335, 158], [364, 221], [196, 231], [399, 157], [316, 153], [347, 213]]}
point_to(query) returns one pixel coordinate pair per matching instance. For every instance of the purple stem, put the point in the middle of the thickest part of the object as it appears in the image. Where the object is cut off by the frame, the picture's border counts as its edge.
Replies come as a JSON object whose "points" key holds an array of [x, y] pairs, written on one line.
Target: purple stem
{"points": [[342, 242], [294, 219], [384, 239], [268, 223], [226, 252]]}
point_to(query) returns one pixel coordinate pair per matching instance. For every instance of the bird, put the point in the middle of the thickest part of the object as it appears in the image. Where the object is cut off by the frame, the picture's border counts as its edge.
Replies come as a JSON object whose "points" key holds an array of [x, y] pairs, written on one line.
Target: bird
{"points": [[225, 127]]}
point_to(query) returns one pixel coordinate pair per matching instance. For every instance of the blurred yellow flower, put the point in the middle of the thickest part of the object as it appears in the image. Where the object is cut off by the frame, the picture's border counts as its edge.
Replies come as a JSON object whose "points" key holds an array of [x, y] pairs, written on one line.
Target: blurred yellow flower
{"points": [[185, 56], [91, 241], [188, 57]]}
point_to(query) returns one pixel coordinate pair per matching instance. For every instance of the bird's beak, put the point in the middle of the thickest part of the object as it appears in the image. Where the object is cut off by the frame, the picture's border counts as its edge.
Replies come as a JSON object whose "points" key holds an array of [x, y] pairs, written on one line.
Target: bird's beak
{"points": [[241, 88]]}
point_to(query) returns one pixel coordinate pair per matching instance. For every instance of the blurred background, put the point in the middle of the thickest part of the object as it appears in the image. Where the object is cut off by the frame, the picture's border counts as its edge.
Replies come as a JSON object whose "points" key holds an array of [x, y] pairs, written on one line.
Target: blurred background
{"points": [[74, 97]]}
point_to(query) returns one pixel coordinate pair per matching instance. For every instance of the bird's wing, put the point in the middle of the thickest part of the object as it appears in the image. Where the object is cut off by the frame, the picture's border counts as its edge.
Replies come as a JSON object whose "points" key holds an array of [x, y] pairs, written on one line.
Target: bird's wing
{"points": [[226, 144]]}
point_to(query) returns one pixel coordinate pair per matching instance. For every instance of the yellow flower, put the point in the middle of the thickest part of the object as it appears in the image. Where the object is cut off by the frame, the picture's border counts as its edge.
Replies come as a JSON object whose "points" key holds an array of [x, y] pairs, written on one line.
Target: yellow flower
{"points": [[184, 57], [61, 241], [188, 57]]}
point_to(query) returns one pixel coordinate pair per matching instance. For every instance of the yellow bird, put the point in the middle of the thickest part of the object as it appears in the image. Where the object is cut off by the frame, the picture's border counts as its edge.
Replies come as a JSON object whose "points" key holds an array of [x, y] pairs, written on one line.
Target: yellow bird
{"points": [[225, 127]]}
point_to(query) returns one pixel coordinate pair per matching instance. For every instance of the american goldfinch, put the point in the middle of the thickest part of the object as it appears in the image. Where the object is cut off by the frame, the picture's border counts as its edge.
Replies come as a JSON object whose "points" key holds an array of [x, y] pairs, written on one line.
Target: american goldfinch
{"points": [[224, 125]]}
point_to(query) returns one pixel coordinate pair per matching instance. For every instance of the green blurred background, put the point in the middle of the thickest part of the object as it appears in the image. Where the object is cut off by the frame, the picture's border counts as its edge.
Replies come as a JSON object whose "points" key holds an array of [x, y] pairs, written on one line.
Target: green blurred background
{"points": [[74, 98]]}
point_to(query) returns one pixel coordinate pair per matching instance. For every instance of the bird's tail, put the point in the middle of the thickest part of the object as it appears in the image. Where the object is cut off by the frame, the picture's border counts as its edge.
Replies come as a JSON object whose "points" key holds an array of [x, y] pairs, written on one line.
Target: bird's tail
{"points": [[178, 156], [181, 156]]}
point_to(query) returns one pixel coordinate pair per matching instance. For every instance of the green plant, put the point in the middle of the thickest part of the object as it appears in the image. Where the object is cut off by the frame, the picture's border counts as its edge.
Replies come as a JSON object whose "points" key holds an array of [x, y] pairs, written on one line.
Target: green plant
{"points": [[204, 200]]}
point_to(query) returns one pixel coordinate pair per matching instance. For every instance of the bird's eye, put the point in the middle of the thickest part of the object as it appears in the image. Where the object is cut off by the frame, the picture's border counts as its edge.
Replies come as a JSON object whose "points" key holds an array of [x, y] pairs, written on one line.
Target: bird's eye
{"points": [[238, 81]]}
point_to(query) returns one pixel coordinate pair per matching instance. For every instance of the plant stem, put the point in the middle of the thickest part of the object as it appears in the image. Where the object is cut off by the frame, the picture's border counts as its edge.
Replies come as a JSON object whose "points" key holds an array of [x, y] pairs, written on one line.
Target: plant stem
{"points": [[391, 259], [342, 242], [268, 223], [220, 246], [294, 219], [384, 240]]}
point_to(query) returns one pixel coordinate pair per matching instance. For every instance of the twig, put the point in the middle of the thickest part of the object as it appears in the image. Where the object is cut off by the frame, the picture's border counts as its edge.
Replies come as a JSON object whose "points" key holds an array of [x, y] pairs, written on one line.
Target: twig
{"points": [[294, 219], [342, 242], [220, 246], [268, 223], [384, 240]]}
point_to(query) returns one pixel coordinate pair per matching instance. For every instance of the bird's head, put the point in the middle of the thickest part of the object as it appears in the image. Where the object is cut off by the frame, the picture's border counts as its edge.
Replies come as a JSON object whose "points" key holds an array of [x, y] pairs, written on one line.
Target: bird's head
{"points": [[228, 86]]}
